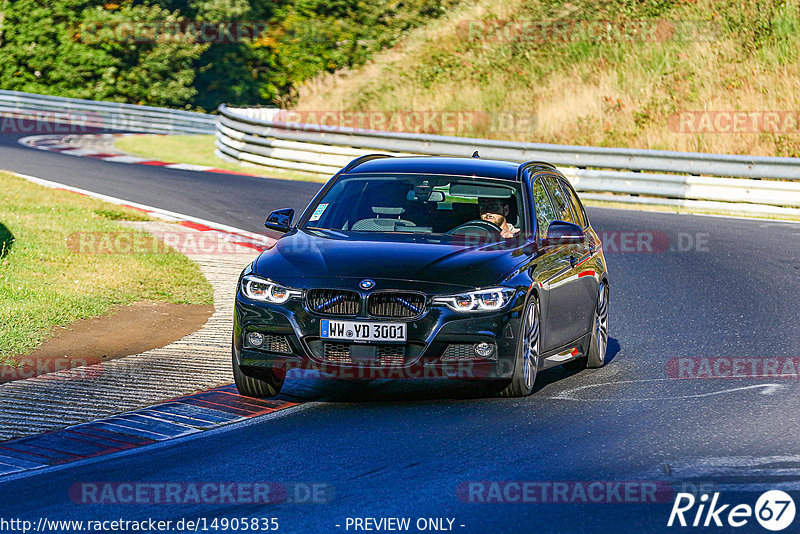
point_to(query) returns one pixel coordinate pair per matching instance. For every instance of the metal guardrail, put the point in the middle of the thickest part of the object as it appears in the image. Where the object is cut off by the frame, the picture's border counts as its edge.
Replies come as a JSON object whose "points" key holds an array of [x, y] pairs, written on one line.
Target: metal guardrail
{"points": [[742, 184], [91, 115], [727, 183]]}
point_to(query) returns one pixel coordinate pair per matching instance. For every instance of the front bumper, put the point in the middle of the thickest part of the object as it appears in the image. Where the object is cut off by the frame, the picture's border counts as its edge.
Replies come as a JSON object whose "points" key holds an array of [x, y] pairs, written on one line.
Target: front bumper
{"points": [[438, 342]]}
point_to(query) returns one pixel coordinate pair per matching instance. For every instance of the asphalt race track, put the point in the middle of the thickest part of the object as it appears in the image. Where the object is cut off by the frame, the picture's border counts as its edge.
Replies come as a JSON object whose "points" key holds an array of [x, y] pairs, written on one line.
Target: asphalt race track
{"points": [[712, 288]]}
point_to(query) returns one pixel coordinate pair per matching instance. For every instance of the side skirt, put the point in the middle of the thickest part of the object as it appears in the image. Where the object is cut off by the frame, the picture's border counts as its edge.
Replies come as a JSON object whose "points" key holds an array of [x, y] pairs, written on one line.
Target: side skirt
{"points": [[571, 351]]}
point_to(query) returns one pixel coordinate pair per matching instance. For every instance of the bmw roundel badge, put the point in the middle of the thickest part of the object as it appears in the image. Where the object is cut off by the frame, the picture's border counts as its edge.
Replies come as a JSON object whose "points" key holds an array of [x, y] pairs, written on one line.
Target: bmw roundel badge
{"points": [[367, 284]]}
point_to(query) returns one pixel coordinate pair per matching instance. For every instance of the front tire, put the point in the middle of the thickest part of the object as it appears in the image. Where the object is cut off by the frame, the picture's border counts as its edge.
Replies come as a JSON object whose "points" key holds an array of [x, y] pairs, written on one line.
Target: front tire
{"points": [[253, 387], [526, 362]]}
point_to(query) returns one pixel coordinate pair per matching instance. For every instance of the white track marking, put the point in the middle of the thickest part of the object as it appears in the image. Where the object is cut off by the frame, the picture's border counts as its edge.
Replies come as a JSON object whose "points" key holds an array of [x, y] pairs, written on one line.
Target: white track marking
{"points": [[730, 473], [125, 159], [187, 167], [157, 212], [79, 152], [570, 393]]}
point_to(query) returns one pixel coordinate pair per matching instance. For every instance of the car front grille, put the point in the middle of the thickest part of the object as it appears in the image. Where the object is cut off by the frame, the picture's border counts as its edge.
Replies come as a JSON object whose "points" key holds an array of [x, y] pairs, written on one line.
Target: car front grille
{"points": [[464, 351], [334, 301], [392, 354], [276, 343], [337, 352], [396, 304], [349, 353]]}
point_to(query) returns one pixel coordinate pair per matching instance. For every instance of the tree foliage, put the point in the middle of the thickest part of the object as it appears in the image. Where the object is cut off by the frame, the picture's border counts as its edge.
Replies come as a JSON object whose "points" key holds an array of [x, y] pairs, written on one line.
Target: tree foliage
{"points": [[76, 48], [51, 48]]}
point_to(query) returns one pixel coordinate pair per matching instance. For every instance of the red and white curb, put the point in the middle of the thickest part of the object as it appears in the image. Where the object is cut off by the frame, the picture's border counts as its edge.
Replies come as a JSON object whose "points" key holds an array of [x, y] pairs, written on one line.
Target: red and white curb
{"points": [[55, 143]]}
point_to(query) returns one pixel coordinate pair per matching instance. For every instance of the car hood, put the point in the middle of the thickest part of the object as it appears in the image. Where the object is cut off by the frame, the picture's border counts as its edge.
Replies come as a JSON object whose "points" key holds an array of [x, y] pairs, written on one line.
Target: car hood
{"points": [[300, 258]]}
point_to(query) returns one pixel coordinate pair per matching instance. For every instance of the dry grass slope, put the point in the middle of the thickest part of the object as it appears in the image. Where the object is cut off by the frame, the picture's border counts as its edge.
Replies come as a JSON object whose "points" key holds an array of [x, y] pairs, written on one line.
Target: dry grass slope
{"points": [[702, 56]]}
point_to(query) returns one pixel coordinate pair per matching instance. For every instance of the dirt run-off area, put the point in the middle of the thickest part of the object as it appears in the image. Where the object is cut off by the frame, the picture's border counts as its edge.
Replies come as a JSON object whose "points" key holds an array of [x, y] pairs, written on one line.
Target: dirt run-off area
{"points": [[130, 329]]}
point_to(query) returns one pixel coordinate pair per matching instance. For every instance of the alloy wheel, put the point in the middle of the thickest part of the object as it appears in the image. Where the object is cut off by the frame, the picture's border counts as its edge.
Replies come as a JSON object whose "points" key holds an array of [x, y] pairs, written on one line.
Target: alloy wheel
{"points": [[530, 345], [601, 321]]}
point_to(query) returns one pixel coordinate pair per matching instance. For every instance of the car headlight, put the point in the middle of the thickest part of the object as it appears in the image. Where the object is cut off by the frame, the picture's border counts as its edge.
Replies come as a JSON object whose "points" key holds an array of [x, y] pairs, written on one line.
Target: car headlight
{"points": [[481, 300], [257, 288]]}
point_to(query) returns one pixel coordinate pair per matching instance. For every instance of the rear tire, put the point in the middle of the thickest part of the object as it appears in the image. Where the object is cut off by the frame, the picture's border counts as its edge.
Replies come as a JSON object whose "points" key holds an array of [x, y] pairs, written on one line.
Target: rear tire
{"points": [[594, 358], [598, 344], [526, 362], [253, 387]]}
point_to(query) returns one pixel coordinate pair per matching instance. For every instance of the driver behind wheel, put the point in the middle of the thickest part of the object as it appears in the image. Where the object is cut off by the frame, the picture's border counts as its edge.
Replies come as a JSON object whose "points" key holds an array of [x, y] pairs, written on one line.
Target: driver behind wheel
{"points": [[495, 210]]}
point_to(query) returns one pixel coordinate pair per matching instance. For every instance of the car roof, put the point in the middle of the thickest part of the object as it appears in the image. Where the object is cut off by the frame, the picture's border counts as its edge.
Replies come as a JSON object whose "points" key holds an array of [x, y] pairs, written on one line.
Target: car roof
{"points": [[486, 168]]}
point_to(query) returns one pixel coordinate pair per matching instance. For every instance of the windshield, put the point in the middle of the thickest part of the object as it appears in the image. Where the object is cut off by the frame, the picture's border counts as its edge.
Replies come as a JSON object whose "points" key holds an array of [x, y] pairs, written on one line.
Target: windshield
{"points": [[428, 204]]}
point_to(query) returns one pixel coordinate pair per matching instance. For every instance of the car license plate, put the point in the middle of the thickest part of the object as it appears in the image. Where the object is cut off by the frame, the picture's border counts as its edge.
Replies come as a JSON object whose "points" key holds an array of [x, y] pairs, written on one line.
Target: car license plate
{"points": [[362, 331]]}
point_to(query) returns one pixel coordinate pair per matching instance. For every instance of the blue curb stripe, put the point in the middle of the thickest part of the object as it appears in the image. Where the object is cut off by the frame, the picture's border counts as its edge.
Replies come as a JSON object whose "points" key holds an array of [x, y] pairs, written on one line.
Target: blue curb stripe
{"points": [[17, 462], [114, 436], [139, 428]]}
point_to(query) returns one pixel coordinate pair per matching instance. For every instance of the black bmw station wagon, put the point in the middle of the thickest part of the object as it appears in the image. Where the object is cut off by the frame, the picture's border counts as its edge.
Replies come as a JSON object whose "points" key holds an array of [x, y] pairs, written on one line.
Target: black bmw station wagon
{"points": [[406, 267]]}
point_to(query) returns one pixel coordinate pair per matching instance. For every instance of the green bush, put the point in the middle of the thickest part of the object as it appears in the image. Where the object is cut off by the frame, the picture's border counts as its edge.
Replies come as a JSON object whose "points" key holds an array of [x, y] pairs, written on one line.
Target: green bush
{"points": [[43, 50]]}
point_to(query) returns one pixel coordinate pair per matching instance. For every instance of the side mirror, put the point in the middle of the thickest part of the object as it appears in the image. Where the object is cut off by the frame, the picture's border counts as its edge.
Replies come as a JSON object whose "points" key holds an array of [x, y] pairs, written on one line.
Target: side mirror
{"points": [[562, 233], [280, 220]]}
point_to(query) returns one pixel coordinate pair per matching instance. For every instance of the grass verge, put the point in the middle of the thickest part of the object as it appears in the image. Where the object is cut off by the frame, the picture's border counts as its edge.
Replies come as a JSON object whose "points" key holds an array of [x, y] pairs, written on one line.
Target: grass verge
{"points": [[198, 150], [44, 284]]}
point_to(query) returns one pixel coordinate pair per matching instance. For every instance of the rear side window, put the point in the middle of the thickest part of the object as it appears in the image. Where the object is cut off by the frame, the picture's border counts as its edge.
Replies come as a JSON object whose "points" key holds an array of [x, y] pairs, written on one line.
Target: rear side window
{"points": [[544, 210], [577, 207], [560, 202]]}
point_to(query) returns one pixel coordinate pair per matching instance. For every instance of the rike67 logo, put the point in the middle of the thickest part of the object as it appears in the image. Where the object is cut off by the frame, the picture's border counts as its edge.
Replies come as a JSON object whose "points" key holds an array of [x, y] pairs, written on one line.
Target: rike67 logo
{"points": [[774, 510]]}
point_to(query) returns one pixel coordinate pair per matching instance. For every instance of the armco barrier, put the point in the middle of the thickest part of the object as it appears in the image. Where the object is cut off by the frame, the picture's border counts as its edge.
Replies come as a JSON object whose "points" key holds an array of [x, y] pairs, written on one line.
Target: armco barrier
{"points": [[726, 183], [93, 114]]}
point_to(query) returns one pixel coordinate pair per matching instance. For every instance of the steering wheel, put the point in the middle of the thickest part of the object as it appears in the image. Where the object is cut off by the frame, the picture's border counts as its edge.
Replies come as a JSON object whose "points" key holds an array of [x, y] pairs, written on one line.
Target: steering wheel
{"points": [[484, 226]]}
